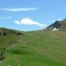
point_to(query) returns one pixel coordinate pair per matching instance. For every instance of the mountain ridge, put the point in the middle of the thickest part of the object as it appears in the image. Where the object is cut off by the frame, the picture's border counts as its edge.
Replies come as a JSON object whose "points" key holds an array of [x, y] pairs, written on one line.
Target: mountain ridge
{"points": [[57, 25]]}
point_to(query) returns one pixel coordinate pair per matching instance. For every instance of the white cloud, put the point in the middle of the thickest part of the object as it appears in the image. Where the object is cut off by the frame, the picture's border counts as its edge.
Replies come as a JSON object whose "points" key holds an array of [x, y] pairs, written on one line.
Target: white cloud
{"points": [[18, 9], [27, 21]]}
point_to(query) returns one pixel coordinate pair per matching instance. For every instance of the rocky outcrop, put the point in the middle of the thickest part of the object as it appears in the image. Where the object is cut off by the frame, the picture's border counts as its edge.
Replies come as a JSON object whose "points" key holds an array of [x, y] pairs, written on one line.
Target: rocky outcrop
{"points": [[58, 25]]}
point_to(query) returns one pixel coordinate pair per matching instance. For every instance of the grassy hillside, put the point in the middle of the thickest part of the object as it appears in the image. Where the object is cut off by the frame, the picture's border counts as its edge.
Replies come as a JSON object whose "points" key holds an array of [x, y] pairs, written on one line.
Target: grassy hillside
{"points": [[36, 48]]}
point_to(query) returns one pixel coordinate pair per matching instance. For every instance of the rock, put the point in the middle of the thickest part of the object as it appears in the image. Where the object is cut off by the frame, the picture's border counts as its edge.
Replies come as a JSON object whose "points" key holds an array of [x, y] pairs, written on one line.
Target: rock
{"points": [[4, 34], [1, 62], [19, 33]]}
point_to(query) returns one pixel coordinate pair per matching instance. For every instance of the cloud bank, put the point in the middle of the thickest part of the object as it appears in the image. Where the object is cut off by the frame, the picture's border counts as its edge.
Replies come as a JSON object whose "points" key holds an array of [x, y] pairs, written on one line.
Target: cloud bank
{"points": [[18, 9], [27, 21]]}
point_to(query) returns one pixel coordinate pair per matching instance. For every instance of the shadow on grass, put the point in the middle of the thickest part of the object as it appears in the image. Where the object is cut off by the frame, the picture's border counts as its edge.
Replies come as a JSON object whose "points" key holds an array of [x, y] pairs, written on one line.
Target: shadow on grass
{"points": [[21, 50]]}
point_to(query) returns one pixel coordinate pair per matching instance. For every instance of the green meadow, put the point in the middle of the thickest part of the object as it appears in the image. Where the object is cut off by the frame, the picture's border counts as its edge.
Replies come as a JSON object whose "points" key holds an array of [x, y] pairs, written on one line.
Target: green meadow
{"points": [[35, 48]]}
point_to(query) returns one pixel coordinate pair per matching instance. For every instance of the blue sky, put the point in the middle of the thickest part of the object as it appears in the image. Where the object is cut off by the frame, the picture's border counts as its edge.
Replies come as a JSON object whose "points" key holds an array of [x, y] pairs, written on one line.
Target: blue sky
{"points": [[27, 15]]}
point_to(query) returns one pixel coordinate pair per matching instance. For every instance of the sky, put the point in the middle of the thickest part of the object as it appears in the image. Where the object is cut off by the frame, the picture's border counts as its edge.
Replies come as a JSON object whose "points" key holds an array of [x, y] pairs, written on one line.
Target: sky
{"points": [[28, 15]]}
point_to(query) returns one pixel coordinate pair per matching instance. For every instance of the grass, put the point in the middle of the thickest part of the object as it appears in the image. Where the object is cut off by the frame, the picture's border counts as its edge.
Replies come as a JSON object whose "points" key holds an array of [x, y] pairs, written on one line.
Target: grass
{"points": [[36, 48]]}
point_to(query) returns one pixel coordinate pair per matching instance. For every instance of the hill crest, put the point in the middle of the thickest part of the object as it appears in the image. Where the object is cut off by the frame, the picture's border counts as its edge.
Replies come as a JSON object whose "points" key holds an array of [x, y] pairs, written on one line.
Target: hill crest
{"points": [[57, 25]]}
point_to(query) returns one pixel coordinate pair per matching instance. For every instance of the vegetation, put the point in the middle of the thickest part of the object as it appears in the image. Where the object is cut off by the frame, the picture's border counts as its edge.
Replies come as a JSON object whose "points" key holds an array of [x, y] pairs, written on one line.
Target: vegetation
{"points": [[35, 48]]}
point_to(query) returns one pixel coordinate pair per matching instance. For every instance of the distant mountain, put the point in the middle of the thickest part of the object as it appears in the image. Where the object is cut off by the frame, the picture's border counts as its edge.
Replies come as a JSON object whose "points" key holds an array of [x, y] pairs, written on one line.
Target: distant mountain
{"points": [[58, 25]]}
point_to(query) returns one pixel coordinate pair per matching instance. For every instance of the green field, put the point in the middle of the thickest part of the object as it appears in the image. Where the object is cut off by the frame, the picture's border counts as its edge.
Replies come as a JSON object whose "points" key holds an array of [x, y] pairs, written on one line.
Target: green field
{"points": [[35, 48]]}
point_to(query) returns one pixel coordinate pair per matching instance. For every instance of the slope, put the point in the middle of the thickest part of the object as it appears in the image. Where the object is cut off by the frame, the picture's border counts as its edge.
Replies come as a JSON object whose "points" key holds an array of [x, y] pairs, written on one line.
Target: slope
{"points": [[60, 25], [36, 48]]}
